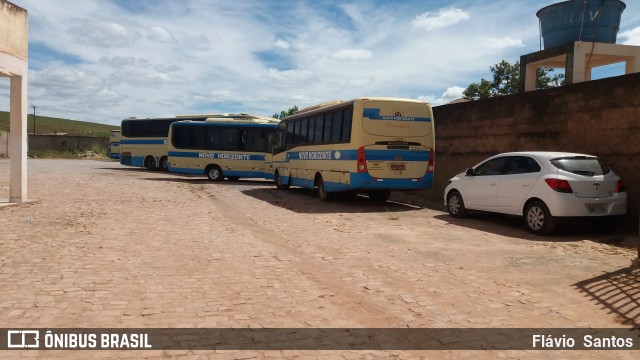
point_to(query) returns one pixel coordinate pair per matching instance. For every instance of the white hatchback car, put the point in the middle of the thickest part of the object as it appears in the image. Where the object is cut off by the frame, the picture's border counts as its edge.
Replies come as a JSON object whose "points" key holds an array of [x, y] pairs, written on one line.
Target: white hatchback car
{"points": [[541, 187]]}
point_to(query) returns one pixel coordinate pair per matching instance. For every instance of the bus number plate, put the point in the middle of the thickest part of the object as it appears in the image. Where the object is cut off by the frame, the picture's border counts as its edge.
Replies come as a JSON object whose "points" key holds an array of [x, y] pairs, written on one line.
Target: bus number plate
{"points": [[397, 167]]}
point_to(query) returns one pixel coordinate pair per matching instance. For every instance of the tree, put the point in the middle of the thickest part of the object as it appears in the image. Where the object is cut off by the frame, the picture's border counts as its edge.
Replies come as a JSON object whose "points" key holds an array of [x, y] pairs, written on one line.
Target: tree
{"points": [[284, 114], [506, 81]]}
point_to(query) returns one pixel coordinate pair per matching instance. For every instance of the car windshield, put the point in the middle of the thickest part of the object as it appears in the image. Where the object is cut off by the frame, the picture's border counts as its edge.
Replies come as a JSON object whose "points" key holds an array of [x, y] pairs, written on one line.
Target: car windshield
{"points": [[581, 165]]}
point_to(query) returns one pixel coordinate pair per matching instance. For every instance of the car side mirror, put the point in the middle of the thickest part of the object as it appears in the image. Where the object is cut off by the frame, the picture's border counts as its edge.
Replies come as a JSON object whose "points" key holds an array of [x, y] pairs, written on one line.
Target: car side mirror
{"points": [[469, 172]]}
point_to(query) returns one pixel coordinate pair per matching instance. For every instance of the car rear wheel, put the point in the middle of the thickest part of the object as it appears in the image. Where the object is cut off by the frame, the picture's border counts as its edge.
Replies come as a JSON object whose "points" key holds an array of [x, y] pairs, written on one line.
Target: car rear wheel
{"points": [[538, 218], [455, 205]]}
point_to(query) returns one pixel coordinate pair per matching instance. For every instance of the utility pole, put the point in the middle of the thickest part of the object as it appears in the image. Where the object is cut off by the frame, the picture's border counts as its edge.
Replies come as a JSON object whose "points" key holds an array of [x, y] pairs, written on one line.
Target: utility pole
{"points": [[34, 119]]}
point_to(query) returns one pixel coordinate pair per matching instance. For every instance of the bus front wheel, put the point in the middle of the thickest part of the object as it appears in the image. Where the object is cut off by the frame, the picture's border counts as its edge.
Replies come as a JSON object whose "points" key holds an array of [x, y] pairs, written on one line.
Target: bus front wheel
{"points": [[214, 173], [323, 195], [150, 163]]}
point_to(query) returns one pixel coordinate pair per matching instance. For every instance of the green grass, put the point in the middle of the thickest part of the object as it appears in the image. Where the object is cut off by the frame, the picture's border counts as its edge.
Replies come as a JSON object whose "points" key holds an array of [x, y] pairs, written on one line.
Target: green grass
{"points": [[49, 125], [69, 152]]}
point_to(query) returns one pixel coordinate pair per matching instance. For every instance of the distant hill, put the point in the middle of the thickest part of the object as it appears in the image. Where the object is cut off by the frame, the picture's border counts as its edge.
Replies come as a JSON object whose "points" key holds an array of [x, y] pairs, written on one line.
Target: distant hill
{"points": [[49, 125]]}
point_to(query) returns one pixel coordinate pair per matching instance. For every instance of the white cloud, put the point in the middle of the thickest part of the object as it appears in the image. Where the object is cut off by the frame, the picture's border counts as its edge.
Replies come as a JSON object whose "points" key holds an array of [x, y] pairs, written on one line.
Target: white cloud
{"points": [[432, 20], [502, 43], [224, 96], [102, 34], [451, 94], [160, 34], [288, 75], [632, 37], [352, 54], [282, 44]]}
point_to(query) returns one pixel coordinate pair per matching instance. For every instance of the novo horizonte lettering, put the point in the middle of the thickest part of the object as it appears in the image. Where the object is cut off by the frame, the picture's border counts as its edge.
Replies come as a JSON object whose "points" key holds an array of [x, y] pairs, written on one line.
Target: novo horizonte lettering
{"points": [[315, 155], [224, 156]]}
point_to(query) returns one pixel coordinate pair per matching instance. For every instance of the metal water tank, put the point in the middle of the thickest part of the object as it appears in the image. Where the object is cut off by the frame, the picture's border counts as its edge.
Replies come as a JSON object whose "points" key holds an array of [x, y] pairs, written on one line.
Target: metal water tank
{"points": [[580, 20]]}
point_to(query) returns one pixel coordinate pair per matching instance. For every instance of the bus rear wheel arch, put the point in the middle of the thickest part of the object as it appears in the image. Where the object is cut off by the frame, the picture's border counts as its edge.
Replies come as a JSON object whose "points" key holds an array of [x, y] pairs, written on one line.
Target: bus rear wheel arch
{"points": [[150, 162], [214, 173], [278, 180], [323, 194]]}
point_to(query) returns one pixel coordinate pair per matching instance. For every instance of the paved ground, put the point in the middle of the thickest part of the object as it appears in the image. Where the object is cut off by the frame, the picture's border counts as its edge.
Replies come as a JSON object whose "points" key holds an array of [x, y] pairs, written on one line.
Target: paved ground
{"points": [[109, 246]]}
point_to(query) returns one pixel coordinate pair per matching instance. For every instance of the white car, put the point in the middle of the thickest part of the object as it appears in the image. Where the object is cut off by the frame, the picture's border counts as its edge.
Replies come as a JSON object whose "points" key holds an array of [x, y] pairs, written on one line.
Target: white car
{"points": [[541, 187]]}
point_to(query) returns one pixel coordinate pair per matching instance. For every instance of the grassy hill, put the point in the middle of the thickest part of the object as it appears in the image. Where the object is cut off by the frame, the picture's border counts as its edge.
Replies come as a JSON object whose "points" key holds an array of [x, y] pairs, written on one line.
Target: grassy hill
{"points": [[49, 125]]}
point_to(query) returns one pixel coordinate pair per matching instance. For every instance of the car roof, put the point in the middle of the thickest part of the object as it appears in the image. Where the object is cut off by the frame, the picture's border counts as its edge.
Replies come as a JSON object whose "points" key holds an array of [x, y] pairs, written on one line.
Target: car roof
{"points": [[545, 154]]}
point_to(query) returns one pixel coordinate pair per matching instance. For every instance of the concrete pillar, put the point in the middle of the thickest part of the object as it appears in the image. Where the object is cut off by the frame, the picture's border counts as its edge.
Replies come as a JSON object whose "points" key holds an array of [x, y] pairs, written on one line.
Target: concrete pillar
{"points": [[18, 139], [530, 77], [579, 63]]}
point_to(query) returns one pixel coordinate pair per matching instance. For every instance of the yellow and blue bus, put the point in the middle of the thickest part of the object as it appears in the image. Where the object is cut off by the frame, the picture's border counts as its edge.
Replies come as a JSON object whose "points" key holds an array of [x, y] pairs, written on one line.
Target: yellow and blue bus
{"points": [[114, 144], [143, 142], [230, 147], [366, 145]]}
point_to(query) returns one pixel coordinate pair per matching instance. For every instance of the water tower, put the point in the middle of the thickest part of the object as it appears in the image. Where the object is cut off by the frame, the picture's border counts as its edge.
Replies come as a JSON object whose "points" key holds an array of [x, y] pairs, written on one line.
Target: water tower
{"points": [[578, 36]]}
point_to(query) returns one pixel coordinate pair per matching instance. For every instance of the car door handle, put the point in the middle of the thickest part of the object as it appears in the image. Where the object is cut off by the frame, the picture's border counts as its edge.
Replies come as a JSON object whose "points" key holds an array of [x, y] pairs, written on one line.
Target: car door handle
{"points": [[492, 184]]}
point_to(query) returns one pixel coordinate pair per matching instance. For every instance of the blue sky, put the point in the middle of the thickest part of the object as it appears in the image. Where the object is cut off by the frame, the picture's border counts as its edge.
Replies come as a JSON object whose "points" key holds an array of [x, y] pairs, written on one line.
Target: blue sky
{"points": [[102, 61]]}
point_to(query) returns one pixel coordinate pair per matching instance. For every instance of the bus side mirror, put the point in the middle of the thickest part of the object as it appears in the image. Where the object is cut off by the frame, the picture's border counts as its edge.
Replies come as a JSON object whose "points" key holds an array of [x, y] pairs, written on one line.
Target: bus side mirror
{"points": [[469, 172]]}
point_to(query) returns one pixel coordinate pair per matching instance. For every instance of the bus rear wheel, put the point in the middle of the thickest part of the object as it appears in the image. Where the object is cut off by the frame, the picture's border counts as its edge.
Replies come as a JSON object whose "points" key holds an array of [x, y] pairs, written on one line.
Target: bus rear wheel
{"points": [[214, 173], [164, 164], [379, 195], [323, 195], [278, 180], [150, 163]]}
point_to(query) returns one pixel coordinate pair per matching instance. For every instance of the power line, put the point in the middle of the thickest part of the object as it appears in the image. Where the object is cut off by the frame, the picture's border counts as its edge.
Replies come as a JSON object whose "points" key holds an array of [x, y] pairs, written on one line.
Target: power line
{"points": [[34, 119]]}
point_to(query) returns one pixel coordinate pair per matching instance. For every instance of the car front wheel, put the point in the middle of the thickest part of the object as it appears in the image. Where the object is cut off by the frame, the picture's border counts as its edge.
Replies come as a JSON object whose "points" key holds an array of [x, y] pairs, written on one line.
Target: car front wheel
{"points": [[538, 218], [455, 205]]}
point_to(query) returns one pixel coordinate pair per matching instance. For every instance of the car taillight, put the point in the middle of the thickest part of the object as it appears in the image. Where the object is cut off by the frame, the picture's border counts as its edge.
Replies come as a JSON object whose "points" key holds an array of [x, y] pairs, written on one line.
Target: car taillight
{"points": [[362, 161], [620, 187], [559, 185], [431, 166]]}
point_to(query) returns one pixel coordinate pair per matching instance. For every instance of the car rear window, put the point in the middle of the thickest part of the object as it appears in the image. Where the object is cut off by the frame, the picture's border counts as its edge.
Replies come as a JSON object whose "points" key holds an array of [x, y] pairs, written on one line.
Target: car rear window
{"points": [[581, 165]]}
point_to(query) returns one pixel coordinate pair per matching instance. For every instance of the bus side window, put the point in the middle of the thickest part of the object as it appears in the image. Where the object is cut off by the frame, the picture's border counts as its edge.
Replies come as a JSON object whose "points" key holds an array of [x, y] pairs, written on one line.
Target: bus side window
{"points": [[317, 136], [336, 127], [215, 140], [346, 125], [312, 128], [289, 138], [304, 123], [196, 138], [326, 134]]}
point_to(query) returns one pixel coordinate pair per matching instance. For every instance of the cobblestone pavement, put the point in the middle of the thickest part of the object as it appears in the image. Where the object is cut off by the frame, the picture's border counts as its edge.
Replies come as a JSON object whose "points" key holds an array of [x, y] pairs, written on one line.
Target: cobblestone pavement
{"points": [[107, 246]]}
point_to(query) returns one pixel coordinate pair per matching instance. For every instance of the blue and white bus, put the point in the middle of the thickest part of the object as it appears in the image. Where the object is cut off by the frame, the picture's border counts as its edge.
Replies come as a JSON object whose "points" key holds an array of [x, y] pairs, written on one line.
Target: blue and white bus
{"points": [[231, 147], [143, 142], [114, 144], [366, 145]]}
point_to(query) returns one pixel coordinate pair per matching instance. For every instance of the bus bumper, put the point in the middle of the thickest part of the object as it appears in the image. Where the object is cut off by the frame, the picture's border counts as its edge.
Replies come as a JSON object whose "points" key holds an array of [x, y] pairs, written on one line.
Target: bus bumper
{"points": [[366, 181]]}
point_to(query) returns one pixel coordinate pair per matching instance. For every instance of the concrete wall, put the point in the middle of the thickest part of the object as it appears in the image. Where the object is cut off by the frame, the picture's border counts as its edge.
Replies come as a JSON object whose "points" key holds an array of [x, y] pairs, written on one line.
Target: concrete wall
{"points": [[54, 142], [13, 30], [598, 117]]}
